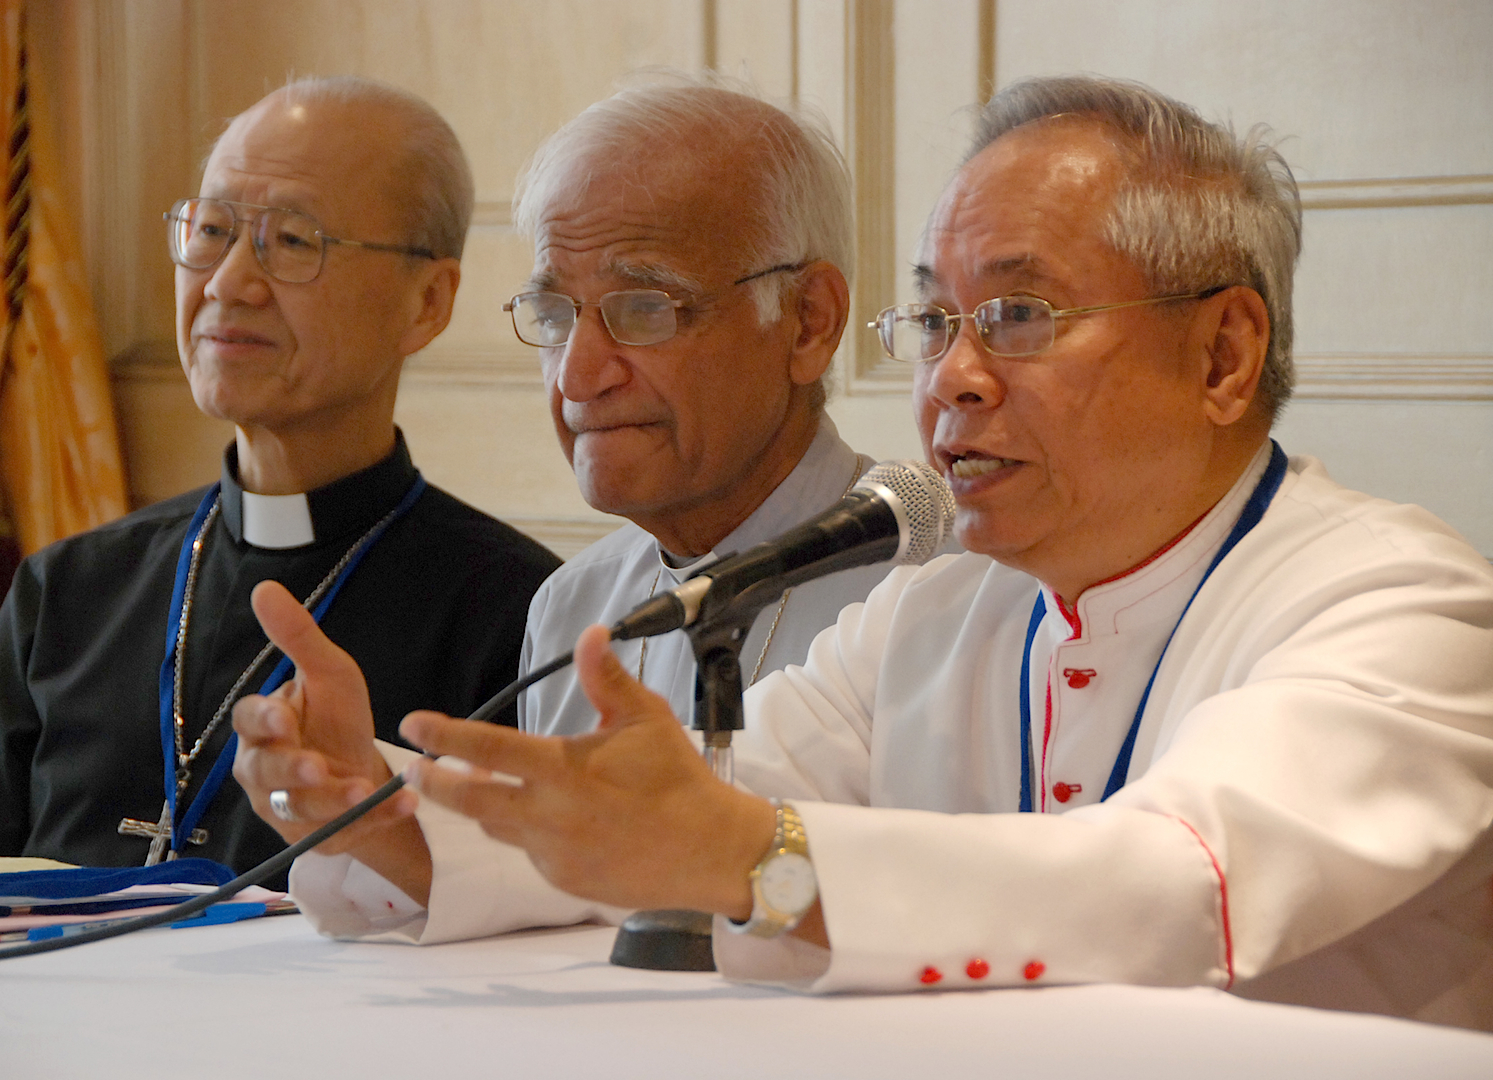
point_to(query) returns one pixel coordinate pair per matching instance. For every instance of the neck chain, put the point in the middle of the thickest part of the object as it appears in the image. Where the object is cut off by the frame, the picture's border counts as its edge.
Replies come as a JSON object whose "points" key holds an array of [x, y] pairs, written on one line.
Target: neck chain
{"points": [[783, 603], [161, 834], [762, 656], [643, 652], [186, 758]]}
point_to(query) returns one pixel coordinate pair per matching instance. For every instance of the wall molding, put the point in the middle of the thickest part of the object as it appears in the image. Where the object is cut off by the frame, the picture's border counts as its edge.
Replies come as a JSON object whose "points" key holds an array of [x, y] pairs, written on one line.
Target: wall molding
{"points": [[110, 170], [1396, 191], [475, 364], [870, 128], [1393, 377], [472, 365], [492, 214], [565, 536], [147, 361], [881, 377], [1319, 376]]}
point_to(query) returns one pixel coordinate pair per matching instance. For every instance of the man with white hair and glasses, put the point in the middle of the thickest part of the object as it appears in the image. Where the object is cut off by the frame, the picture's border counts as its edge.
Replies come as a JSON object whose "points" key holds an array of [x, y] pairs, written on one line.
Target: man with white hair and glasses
{"points": [[692, 249], [1186, 712], [323, 249]]}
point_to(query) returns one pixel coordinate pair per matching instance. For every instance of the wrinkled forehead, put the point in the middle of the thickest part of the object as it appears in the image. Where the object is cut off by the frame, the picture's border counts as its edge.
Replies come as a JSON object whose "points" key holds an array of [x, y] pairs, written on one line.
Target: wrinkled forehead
{"points": [[1033, 203], [672, 217]]}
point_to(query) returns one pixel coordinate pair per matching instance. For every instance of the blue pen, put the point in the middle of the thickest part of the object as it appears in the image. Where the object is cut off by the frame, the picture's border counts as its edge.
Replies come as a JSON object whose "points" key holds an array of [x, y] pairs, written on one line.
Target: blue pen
{"points": [[213, 916], [221, 913], [45, 933]]}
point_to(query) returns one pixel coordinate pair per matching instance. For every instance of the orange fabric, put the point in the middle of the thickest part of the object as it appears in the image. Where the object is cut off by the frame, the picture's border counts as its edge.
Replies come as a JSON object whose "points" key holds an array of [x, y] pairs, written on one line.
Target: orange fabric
{"points": [[60, 465]]}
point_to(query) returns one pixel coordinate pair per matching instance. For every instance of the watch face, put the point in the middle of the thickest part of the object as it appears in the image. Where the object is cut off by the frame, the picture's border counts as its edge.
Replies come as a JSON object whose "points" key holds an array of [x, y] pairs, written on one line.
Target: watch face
{"points": [[788, 884]]}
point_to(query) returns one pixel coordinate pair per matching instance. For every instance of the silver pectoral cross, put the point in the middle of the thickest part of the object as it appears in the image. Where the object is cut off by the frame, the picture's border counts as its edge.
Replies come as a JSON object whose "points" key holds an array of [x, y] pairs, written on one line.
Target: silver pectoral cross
{"points": [[160, 835]]}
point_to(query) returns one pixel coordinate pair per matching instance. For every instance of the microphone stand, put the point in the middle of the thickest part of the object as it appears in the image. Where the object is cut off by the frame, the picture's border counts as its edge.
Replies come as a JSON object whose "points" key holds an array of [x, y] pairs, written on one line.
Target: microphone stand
{"points": [[678, 939], [718, 711], [729, 598]]}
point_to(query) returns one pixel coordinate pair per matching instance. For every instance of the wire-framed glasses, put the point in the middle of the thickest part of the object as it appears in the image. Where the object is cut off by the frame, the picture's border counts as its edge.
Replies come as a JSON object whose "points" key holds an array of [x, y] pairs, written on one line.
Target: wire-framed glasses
{"points": [[632, 316], [1016, 325], [288, 244]]}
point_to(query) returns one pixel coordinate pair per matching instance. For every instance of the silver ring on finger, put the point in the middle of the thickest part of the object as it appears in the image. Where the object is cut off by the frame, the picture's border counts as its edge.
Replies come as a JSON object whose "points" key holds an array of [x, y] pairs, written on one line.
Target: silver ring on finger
{"points": [[280, 805]]}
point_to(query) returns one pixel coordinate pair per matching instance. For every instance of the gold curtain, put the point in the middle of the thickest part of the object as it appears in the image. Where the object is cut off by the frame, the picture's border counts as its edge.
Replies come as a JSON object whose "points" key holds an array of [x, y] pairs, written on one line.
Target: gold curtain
{"points": [[60, 467]]}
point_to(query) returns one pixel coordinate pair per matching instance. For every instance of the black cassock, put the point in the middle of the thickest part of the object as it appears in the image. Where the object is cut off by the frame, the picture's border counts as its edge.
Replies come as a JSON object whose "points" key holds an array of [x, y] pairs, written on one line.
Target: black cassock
{"points": [[434, 615]]}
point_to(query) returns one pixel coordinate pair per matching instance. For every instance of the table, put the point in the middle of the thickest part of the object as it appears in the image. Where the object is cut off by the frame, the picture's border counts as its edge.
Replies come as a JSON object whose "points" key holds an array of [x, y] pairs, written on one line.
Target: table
{"points": [[269, 999]]}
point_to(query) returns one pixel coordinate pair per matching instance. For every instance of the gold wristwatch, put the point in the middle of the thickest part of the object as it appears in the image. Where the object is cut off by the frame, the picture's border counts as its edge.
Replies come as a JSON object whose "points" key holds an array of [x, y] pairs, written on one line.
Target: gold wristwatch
{"points": [[783, 883]]}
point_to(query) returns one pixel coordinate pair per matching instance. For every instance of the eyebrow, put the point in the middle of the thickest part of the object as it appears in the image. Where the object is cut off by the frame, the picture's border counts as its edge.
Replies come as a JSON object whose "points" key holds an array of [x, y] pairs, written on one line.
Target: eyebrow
{"points": [[1027, 265], [637, 275], [653, 276], [1016, 264], [303, 206], [540, 281]]}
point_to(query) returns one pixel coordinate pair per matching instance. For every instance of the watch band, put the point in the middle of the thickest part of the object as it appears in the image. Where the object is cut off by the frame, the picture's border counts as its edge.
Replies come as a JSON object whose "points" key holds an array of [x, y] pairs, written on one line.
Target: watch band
{"points": [[783, 883]]}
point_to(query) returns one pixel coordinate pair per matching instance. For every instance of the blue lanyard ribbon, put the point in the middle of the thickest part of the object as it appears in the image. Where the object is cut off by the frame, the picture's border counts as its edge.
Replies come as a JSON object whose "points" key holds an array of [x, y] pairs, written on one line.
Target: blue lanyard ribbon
{"points": [[1254, 509], [224, 762]]}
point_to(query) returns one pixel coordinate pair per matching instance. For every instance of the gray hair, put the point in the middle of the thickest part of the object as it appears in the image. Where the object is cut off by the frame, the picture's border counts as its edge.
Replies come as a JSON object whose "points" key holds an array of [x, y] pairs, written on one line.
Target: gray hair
{"points": [[435, 167], [804, 212], [1201, 207]]}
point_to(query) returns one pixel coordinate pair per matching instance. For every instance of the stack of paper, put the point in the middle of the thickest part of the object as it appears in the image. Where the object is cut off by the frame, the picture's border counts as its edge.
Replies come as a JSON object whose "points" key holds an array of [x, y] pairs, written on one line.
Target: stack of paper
{"points": [[43, 903]]}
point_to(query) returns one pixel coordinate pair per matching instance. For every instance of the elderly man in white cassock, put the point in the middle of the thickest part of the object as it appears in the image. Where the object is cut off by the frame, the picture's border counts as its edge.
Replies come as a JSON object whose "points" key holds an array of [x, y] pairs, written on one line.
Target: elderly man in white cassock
{"points": [[1186, 713]]}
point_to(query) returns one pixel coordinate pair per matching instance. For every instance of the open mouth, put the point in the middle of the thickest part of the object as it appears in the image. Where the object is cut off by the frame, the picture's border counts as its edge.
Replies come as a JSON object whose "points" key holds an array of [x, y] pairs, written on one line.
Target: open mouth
{"points": [[968, 468]]}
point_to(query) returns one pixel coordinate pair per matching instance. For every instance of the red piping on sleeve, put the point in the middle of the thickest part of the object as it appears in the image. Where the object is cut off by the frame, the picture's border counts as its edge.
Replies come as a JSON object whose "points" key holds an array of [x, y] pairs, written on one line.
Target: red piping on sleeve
{"points": [[1223, 902]]}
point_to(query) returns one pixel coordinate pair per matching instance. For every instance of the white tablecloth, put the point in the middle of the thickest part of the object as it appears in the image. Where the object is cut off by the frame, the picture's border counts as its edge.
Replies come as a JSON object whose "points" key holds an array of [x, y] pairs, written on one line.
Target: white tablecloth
{"points": [[268, 999]]}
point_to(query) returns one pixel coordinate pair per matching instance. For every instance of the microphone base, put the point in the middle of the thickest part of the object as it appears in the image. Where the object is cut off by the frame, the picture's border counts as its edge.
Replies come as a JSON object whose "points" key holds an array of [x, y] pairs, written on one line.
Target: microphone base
{"points": [[665, 940]]}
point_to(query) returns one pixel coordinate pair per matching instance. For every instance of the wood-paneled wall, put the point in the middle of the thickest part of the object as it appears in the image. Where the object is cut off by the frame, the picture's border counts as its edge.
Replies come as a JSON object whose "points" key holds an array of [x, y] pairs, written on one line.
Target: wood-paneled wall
{"points": [[1387, 108]]}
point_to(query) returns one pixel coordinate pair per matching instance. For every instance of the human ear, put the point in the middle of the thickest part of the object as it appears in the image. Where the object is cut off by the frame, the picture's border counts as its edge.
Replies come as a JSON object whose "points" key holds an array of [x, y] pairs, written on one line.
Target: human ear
{"points": [[822, 309], [432, 295], [1234, 331]]}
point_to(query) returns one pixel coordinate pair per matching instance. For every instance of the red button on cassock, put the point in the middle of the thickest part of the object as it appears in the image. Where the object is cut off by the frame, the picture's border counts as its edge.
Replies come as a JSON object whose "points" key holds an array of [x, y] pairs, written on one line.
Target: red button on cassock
{"points": [[930, 975], [1033, 971], [1063, 792], [1078, 678], [977, 969]]}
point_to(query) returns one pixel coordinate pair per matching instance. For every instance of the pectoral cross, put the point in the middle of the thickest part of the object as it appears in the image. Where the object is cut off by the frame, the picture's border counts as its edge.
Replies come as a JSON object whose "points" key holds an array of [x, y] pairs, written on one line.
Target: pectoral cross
{"points": [[160, 835]]}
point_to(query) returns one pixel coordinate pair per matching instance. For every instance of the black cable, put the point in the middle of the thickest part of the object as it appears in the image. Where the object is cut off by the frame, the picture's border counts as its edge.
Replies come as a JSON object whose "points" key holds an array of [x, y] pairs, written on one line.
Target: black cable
{"points": [[187, 908]]}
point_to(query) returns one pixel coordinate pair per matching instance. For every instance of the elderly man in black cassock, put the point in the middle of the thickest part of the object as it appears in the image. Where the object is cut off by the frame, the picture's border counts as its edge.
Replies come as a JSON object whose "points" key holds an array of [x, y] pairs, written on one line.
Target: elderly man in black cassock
{"points": [[322, 250]]}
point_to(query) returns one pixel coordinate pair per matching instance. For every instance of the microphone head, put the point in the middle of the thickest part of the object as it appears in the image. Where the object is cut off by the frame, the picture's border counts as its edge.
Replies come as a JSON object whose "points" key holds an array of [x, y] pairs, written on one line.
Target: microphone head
{"points": [[923, 503]]}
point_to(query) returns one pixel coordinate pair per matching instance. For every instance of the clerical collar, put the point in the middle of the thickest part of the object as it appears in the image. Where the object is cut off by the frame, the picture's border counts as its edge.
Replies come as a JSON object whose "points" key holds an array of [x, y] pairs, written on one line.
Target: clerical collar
{"points": [[277, 521], [822, 476], [349, 505]]}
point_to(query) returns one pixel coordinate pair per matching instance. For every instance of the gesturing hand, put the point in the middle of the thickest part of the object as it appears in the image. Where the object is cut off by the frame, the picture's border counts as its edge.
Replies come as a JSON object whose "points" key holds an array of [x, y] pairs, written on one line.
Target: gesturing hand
{"points": [[628, 815], [313, 739]]}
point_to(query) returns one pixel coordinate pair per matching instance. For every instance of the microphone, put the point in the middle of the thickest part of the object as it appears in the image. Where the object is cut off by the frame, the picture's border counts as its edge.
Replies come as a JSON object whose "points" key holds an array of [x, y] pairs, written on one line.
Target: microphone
{"points": [[900, 511]]}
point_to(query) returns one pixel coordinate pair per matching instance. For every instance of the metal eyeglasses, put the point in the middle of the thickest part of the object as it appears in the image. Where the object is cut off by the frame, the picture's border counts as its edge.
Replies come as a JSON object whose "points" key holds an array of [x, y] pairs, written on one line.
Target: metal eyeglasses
{"points": [[1016, 326], [289, 245], [631, 316]]}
